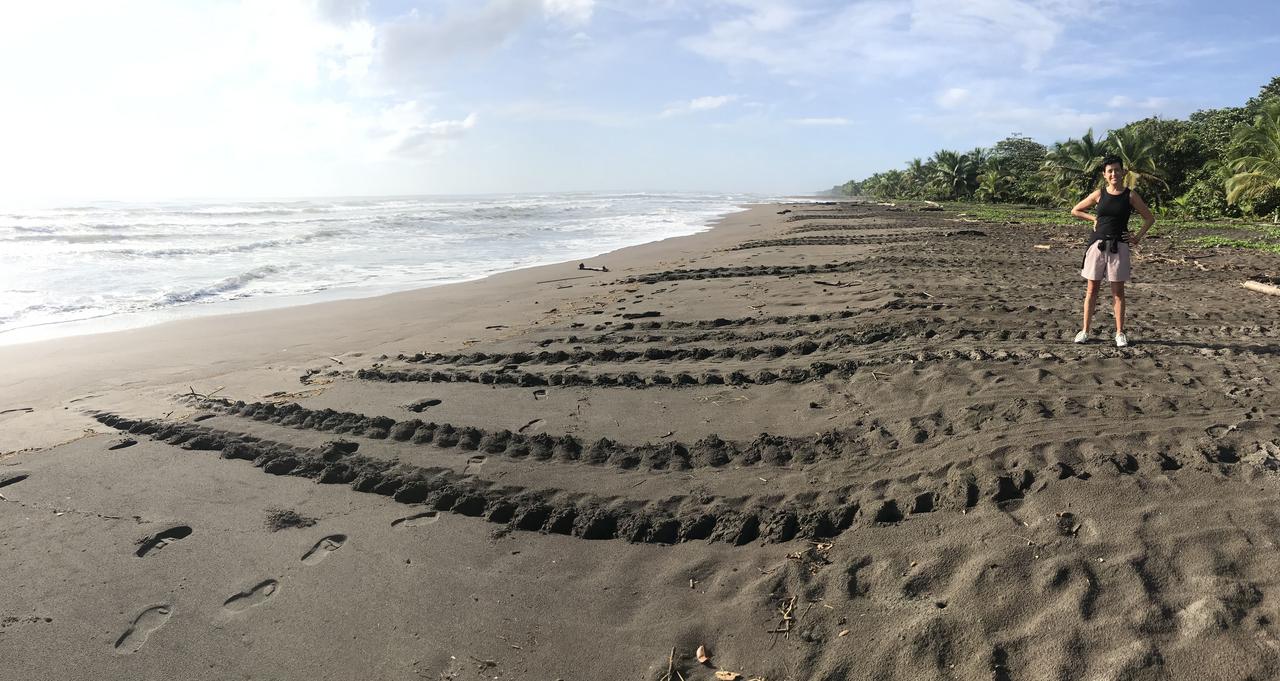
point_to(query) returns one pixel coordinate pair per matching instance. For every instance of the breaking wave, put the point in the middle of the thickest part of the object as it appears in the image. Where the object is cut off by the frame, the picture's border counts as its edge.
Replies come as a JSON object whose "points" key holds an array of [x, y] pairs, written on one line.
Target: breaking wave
{"points": [[111, 259]]}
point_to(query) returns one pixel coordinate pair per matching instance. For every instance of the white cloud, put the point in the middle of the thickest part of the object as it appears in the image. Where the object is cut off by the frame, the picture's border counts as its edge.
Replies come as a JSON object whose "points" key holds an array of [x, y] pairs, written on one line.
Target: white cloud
{"points": [[952, 97], [996, 107], [884, 38], [697, 104], [154, 98], [573, 12], [415, 46], [996, 119], [538, 110], [708, 103], [831, 121], [1146, 104], [424, 136]]}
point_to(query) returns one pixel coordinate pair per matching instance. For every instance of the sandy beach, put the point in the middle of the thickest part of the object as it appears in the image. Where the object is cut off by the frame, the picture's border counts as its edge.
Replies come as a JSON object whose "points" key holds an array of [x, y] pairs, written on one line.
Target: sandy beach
{"points": [[835, 440]]}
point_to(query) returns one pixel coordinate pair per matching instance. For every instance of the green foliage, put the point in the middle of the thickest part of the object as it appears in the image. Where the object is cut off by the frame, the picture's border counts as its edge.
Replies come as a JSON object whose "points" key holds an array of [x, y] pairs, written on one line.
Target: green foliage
{"points": [[1174, 150], [987, 212], [1021, 159], [995, 185], [1269, 92], [1227, 242], [1071, 169], [1138, 151], [1205, 196], [954, 176], [1214, 128], [1218, 163], [917, 178], [1255, 163]]}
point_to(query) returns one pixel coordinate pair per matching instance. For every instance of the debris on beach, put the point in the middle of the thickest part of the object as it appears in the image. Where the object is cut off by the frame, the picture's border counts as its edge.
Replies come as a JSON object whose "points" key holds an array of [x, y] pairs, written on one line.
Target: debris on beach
{"points": [[283, 519], [1262, 288]]}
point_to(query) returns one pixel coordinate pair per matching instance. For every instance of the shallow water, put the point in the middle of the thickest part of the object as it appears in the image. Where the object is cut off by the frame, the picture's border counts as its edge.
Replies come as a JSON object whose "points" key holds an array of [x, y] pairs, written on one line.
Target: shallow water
{"points": [[101, 266]]}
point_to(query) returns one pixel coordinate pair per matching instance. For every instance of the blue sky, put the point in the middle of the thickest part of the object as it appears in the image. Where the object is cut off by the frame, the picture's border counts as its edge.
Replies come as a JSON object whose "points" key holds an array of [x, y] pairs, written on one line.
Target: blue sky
{"points": [[145, 100]]}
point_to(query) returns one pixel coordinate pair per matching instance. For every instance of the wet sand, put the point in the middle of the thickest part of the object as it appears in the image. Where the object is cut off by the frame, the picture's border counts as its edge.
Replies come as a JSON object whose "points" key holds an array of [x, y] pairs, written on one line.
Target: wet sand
{"points": [[822, 441]]}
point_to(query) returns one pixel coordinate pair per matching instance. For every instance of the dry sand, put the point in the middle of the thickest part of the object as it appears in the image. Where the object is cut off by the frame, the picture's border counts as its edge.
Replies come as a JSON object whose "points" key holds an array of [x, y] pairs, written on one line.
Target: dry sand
{"points": [[822, 441]]}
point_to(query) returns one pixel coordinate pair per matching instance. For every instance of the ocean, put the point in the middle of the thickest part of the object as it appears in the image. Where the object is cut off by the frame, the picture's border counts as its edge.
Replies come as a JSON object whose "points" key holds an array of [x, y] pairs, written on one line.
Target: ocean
{"points": [[107, 266]]}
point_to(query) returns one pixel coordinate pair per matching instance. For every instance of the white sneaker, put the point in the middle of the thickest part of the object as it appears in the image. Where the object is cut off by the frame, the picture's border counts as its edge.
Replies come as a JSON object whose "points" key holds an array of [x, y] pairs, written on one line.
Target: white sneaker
{"points": [[1082, 337], [1121, 339]]}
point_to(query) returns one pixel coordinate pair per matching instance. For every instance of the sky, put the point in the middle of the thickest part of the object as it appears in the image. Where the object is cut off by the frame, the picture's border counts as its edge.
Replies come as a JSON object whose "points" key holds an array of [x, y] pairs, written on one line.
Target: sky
{"points": [[146, 100]]}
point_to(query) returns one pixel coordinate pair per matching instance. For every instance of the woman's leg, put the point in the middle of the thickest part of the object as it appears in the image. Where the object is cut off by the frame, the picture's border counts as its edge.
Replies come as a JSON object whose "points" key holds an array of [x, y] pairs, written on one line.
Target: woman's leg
{"points": [[1117, 298], [1090, 298]]}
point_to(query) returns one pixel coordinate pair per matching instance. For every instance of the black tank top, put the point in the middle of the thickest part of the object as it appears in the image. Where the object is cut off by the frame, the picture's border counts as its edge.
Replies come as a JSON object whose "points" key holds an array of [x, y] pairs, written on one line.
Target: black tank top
{"points": [[1113, 215]]}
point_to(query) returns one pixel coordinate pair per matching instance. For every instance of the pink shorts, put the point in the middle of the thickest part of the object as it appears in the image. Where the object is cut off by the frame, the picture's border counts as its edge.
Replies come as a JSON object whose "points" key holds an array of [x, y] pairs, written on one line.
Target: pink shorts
{"points": [[1103, 264]]}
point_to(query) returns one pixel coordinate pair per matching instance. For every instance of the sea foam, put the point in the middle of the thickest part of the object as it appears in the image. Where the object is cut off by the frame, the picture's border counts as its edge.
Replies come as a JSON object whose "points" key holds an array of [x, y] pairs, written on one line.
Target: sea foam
{"points": [[141, 263]]}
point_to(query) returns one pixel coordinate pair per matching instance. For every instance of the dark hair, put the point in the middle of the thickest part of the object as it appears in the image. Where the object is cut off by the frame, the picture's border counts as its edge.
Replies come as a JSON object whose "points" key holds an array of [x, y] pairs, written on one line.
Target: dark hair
{"points": [[1110, 160]]}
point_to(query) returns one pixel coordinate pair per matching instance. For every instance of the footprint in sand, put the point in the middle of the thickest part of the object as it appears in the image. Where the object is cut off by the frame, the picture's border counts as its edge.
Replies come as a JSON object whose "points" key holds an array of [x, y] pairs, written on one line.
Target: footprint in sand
{"points": [[422, 405], [323, 548], [416, 520], [531, 424], [251, 597], [160, 540], [7, 479], [146, 622]]}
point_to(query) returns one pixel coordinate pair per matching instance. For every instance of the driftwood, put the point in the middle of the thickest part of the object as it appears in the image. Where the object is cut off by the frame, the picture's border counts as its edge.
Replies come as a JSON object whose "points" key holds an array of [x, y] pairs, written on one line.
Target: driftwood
{"points": [[1262, 288]]}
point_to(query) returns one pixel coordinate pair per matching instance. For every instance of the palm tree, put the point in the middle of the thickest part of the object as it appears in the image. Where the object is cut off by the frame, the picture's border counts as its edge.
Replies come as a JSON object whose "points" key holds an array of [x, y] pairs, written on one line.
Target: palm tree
{"points": [[979, 157], [1138, 154], [917, 176], [954, 175], [887, 185], [1255, 158], [1073, 165], [995, 184]]}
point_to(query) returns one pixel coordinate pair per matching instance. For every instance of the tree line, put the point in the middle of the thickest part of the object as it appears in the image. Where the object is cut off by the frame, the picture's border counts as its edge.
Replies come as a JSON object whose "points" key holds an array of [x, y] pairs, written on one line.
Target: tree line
{"points": [[1216, 163]]}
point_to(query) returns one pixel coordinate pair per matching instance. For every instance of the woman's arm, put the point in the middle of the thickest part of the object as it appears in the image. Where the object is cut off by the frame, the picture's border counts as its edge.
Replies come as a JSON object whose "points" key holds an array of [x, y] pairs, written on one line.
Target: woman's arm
{"points": [[1085, 204], [1147, 218]]}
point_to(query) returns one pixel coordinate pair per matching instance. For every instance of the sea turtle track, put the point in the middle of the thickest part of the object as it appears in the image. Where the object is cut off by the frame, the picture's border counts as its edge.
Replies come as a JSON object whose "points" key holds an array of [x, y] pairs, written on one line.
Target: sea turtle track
{"points": [[812, 514], [864, 226], [513, 376], [831, 215], [711, 451], [780, 320], [935, 328], [872, 239], [901, 266], [744, 271], [588, 516], [754, 334], [839, 340], [849, 447]]}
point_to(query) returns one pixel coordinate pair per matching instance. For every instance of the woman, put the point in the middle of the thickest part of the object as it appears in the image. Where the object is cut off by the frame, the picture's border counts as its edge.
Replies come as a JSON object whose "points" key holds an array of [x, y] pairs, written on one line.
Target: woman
{"points": [[1107, 256]]}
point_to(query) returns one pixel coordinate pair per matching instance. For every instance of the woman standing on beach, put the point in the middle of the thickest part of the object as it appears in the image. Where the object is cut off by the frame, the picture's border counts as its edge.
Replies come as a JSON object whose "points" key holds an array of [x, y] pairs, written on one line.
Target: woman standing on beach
{"points": [[1107, 255]]}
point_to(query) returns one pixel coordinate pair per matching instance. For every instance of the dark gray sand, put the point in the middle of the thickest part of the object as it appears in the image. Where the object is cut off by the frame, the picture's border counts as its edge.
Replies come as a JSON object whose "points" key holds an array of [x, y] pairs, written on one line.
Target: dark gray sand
{"points": [[844, 442]]}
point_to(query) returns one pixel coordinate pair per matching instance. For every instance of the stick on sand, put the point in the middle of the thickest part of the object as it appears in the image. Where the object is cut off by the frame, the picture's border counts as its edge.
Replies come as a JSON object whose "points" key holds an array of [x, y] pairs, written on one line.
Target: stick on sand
{"points": [[1262, 288]]}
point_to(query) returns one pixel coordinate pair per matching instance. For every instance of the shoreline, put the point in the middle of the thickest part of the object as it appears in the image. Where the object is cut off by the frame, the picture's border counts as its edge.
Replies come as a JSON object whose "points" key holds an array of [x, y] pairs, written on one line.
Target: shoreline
{"points": [[46, 373], [110, 322]]}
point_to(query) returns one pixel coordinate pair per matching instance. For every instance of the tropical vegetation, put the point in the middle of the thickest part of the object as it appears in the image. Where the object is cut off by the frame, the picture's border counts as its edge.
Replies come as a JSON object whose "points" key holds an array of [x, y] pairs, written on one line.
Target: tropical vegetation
{"points": [[1216, 163]]}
